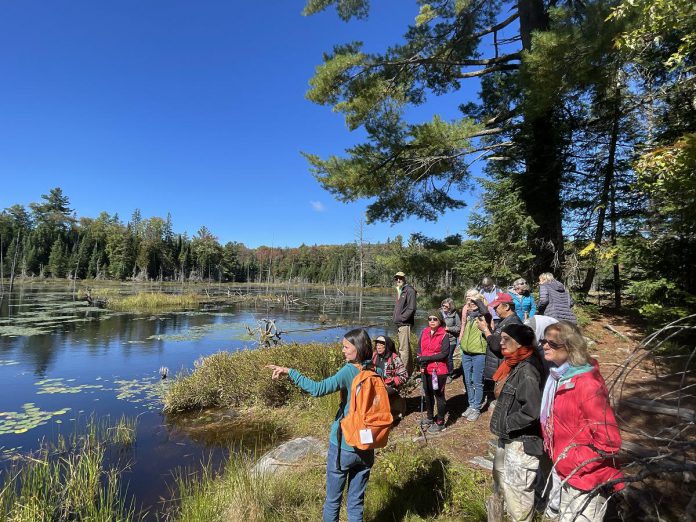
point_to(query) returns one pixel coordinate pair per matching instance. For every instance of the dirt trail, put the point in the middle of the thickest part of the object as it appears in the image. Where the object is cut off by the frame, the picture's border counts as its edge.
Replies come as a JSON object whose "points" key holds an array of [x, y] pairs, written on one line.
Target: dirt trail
{"points": [[464, 440]]}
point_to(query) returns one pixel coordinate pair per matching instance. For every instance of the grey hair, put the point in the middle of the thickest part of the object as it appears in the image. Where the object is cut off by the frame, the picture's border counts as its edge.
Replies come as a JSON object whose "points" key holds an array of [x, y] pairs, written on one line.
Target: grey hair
{"points": [[574, 342], [546, 276], [449, 301], [519, 281]]}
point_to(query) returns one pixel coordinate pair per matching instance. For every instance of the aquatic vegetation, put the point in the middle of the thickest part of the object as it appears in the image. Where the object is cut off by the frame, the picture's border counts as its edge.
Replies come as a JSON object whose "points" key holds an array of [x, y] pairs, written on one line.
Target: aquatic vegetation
{"points": [[58, 385], [237, 379], [21, 422], [22, 331], [194, 333], [153, 302], [124, 431], [147, 391], [69, 481]]}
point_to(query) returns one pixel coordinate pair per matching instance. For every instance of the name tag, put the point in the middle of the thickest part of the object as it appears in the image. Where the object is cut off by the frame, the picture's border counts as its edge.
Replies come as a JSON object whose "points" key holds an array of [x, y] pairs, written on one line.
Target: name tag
{"points": [[366, 436]]}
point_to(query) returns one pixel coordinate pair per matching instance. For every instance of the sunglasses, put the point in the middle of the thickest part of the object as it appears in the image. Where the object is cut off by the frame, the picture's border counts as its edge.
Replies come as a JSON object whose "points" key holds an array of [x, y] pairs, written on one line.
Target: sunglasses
{"points": [[432, 318], [552, 344]]}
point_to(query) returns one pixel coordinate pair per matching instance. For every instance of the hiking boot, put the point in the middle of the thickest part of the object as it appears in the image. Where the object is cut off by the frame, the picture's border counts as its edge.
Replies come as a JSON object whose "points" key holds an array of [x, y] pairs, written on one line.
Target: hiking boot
{"points": [[436, 428], [467, 412], [474, 415], [426, 423]]}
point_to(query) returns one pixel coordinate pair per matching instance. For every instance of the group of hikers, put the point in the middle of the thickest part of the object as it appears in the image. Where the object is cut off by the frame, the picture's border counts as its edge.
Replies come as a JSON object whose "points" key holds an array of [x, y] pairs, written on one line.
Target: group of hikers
{"points": [[526, 362]]}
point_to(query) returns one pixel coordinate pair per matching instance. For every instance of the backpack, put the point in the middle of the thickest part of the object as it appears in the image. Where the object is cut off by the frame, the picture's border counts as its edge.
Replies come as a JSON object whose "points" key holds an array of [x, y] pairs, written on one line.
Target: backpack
{"points": [[369, 418]]}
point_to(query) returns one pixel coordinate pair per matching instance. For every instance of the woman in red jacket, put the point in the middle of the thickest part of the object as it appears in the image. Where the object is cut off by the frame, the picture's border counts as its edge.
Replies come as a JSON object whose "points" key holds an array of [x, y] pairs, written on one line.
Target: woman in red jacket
{"points": [[433, 350], [580, 431]]}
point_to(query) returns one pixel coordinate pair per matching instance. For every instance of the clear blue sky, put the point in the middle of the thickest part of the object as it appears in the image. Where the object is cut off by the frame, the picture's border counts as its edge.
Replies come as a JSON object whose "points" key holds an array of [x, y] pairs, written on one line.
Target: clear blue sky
{"points": [[193, 108]]}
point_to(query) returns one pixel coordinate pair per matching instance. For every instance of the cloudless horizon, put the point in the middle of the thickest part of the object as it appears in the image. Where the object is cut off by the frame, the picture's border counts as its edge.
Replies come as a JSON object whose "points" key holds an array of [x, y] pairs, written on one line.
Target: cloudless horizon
{"points": [[194, 109]]}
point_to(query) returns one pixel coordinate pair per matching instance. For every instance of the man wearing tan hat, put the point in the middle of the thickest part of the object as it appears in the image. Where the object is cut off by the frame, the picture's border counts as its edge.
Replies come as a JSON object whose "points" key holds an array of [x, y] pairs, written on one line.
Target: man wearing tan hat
{"points": [[404, 313]]}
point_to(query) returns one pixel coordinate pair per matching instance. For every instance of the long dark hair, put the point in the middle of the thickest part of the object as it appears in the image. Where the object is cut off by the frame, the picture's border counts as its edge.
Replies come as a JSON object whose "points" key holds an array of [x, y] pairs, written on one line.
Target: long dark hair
{"points": [[359, 338]]}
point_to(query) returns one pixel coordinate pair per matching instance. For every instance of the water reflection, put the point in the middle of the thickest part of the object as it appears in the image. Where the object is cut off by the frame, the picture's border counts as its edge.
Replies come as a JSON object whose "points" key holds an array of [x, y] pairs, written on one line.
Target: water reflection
{"points": [[46, 334]]}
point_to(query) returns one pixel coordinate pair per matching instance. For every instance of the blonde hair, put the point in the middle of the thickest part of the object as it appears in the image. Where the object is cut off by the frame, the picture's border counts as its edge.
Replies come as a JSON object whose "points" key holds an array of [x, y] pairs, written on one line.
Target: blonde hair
{"points": [[474, 295], [570, 336], [546, 276]]}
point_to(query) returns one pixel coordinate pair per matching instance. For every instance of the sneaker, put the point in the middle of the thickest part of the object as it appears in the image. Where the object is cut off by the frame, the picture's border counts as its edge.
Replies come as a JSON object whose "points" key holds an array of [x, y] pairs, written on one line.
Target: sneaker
{"points": [[436, 428], [474, 415], [426, 423], [467, 412], [491, 406]]}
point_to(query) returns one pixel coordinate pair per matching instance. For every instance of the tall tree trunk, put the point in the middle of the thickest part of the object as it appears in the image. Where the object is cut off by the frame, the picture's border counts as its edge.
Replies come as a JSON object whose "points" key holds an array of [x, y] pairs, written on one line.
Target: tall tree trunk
{"points": [[608, 185], [541, 181], [615, 257]]}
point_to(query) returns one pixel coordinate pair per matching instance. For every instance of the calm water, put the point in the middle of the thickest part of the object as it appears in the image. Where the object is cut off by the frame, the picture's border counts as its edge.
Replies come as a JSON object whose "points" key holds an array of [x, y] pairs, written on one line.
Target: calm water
{"points": [[61, 360]]}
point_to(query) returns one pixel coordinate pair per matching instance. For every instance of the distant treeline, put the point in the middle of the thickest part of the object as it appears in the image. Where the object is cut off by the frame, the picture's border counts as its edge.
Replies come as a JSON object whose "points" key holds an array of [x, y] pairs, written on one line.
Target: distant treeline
{"points": [[49, 240]]}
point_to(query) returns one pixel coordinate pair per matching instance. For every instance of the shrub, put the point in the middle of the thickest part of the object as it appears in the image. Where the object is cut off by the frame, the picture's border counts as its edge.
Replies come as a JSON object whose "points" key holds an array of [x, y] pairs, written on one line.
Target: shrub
{"points": [[229, 379]]}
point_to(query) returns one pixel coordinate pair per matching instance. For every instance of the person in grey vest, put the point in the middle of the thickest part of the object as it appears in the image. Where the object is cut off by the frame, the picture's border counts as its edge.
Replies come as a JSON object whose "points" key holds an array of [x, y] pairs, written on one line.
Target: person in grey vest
{"points": [[554, 299], [453, 325]]}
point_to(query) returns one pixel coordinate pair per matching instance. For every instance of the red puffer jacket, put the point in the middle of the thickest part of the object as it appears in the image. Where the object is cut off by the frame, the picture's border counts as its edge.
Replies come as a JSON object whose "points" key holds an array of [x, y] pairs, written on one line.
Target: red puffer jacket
{"points": [[582, 422], [437, 347]]}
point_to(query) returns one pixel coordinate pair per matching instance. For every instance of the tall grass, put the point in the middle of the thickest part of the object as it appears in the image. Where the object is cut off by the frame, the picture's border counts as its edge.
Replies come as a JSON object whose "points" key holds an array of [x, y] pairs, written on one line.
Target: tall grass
{"points": [[407, 483], [239, 379], [153, 302], [68, 481]]}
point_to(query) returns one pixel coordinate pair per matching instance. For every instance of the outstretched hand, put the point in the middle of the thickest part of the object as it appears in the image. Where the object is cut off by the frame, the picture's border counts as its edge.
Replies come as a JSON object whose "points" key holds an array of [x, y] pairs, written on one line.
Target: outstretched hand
{"points": [[277, 370]]}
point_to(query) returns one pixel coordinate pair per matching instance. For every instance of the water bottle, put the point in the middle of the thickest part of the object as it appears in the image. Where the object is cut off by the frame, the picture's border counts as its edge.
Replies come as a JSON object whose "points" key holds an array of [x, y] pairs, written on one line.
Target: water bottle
{"points": [[434, 379]]}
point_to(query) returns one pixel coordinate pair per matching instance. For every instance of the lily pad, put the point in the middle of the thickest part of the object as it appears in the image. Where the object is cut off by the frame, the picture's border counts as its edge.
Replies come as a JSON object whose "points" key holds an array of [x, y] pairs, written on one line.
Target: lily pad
{"points": [[22, 421], [148, 391], [51, 386]]}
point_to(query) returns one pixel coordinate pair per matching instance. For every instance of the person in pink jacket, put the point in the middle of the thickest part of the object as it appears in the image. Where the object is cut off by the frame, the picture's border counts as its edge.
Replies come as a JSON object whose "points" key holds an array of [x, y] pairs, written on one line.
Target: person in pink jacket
{"points": [[433, 350], [580, 431]]}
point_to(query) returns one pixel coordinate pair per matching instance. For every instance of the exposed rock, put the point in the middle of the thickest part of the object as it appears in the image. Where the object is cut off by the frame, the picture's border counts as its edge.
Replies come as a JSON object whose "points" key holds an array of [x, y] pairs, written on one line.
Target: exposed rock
{"points": [[288, 454], [483, 462]]}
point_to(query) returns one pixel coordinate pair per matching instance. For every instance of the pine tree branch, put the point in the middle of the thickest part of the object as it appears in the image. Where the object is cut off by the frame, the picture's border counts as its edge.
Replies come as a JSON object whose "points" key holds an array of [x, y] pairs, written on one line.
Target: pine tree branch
{"points": [[488, 70], [499, 26]]}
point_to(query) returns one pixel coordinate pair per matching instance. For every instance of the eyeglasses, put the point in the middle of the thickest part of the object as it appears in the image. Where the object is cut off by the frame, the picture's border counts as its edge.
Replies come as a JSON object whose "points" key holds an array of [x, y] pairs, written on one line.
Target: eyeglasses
{"points": [[552, 344], [432, 318]]}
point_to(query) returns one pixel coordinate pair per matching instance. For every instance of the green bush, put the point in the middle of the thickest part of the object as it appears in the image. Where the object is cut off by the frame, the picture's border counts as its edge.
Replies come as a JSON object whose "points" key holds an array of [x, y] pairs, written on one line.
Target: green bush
{"points": [[229, 379], [661, 300]]}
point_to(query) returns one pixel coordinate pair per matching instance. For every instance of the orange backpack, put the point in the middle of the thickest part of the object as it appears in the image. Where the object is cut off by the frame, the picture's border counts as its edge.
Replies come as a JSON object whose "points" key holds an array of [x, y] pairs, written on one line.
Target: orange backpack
{"points": [[369, 417]]}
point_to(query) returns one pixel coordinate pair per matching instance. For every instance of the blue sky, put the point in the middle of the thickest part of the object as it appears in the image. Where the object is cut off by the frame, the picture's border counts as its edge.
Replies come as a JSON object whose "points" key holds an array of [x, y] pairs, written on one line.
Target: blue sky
{"points": [[193, 108]]}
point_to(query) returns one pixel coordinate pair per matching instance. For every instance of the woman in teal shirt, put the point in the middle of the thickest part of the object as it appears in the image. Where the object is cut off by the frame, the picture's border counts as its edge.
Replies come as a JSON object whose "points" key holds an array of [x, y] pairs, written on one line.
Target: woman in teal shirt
{"points": [[349, 464]]}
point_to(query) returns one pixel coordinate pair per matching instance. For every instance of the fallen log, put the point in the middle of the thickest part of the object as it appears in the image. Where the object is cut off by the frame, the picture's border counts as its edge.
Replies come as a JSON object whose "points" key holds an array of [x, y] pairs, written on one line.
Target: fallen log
{"points": [[615, 331], [686, 414]]}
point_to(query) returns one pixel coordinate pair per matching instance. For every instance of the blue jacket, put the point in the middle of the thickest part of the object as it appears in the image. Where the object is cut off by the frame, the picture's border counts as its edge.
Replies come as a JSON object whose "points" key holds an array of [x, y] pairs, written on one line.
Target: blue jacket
{"points": [[341, 380], [524, 303]]}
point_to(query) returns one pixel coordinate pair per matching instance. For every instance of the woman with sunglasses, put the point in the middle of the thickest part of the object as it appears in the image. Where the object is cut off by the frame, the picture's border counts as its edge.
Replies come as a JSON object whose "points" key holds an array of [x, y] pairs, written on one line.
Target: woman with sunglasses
{"points": [[433, 350], [580, 431], [525, 307], [515, 421], [344, 463]]}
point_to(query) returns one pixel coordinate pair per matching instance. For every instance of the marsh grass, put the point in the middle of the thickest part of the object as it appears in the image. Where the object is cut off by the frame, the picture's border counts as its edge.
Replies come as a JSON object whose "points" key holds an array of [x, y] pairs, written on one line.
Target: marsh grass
{"points": [[124, 431], [238, 379], [408, 482], [66, 481], [153, 302]]}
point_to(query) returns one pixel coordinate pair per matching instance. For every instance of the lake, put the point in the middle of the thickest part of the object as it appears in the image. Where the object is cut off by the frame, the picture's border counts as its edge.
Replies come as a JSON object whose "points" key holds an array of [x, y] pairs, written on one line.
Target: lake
{"points": [[62, 360]]}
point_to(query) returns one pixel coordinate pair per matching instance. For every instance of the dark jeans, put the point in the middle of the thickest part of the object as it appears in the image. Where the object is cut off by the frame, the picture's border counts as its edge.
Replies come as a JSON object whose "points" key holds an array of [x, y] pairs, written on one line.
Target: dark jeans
{"points": [[355, 469], [397, 403], [432, 396]]}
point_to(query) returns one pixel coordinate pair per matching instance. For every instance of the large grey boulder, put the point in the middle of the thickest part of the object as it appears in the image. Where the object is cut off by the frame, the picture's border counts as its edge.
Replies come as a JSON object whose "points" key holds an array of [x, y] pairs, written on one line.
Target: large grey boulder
{"points": [[289, 453]]}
